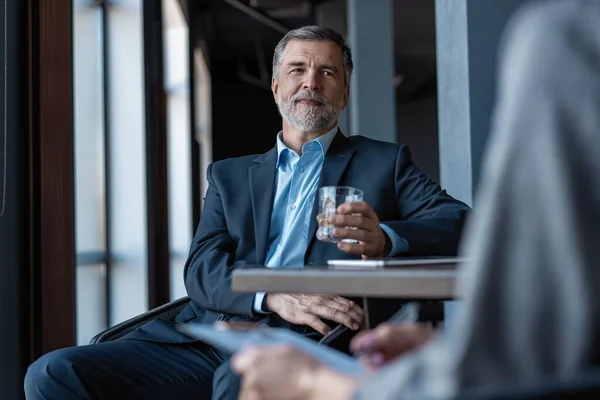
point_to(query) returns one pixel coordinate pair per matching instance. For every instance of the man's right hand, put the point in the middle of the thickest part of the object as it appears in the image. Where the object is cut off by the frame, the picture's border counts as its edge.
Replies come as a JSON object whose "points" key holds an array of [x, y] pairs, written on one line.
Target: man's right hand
{"points": [[308, 309]]}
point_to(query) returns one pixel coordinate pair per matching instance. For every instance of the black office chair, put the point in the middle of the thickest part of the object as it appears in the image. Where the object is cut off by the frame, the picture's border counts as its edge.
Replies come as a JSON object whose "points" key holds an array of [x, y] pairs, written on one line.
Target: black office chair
{"points": [[583, 385], [166, 311], [430, 311]]}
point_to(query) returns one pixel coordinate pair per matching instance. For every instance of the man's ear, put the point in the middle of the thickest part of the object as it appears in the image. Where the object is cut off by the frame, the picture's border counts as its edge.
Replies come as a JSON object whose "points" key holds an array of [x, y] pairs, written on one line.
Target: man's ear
{"points": [[274, 88], [346, 97]]}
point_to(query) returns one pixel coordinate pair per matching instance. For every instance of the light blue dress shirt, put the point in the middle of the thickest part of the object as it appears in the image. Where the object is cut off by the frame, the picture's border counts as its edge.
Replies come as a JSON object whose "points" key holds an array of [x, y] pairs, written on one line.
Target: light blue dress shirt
{"points": [[295, 188]]}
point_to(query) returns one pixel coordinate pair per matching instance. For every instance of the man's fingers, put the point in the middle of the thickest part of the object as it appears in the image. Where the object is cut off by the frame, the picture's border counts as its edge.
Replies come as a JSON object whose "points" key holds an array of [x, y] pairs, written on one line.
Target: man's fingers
{"points": [[349, 307], [356, 234], [318, 325], [344, 301], [340, 303], [353, 248], [344, 305], [358, 207], [354, 221], [338, 316]]}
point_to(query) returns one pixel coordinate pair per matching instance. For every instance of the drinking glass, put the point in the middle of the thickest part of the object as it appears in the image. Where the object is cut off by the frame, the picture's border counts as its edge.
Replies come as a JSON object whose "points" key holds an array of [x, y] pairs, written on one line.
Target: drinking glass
{"points": [[330, 198]]}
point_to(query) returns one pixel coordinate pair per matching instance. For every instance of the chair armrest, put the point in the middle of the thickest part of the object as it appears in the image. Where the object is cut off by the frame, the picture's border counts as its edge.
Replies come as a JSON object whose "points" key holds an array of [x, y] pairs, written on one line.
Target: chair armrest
{"points": [[166, 311]]}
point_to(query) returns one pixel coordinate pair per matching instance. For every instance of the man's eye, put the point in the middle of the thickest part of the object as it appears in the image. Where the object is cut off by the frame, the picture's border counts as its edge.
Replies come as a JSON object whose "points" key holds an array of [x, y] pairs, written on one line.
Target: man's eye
{"points": [[295, 70], [327, 73]]}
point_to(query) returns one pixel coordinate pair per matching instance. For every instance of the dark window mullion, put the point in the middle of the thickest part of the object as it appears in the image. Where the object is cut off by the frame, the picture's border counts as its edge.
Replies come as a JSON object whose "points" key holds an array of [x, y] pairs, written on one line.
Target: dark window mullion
{"points": [[156, 155], [91, 258], [107, 165], [195, 146]]}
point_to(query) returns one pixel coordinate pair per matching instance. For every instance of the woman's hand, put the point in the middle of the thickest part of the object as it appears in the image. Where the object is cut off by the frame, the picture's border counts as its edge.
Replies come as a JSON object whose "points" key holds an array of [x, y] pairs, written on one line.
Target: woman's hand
{"points": [[284, 373], [388, 341]]}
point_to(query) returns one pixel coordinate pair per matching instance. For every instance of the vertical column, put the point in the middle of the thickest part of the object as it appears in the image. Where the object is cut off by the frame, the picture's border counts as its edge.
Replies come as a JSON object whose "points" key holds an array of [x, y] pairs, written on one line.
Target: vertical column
{"points": [[52, 200], [454, 124], [468, 34], [156, 155], [372, 97]]}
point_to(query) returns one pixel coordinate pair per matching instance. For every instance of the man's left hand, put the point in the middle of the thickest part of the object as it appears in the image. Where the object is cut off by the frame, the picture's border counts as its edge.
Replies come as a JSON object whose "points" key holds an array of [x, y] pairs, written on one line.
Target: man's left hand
{"points": [[358, 221]]}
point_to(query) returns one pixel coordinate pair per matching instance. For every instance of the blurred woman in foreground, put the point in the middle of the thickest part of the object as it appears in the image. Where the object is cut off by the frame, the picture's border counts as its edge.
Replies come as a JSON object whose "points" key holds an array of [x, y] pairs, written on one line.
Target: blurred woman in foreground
{"points": [[532, 288]]}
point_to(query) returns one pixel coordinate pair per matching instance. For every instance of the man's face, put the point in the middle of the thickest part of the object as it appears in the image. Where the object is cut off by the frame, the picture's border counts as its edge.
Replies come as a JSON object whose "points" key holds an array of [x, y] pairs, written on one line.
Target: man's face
{"points": [[311, 89]]}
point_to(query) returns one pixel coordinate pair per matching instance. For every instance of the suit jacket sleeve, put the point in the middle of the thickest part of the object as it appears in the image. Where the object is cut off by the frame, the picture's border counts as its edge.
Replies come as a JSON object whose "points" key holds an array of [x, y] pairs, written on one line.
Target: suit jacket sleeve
{"points": [[431, 221], [207, 273]]}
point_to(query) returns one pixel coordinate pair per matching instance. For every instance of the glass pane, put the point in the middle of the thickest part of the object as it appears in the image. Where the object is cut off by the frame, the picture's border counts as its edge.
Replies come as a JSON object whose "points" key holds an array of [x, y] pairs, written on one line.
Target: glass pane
{"points": [[127, 192], [178, 140], [175, 38], [176, 272], [180, 174], [89, 128], [91, 301], [203, 96]]}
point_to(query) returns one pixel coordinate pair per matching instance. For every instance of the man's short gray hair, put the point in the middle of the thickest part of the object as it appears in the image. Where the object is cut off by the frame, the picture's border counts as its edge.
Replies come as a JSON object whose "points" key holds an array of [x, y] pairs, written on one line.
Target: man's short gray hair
{"points": [[314, 33]]}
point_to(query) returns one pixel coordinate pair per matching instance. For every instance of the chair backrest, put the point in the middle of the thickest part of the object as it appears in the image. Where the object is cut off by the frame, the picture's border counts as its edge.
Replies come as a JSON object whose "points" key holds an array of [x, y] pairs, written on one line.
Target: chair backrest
{"points": [[583, 384]]}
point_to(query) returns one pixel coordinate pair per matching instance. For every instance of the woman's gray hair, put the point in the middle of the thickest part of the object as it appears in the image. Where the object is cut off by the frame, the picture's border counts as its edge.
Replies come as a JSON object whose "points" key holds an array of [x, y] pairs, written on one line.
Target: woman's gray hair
{"points": [[314, 33]]}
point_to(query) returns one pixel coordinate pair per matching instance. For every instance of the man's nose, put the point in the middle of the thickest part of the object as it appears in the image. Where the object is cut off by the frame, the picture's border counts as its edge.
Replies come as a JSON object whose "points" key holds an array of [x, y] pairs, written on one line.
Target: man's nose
{"points": [[311, 82]]}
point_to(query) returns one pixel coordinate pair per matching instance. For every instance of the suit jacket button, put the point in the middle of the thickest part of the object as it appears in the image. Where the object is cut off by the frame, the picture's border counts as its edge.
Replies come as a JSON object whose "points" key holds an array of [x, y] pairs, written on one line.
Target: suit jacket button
{"points": [[311, 262], [220, 317]]}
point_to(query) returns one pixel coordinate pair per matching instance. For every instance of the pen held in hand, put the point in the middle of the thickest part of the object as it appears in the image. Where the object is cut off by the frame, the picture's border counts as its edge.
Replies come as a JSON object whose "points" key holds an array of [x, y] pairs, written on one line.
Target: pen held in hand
{"points": [[409, 313]]}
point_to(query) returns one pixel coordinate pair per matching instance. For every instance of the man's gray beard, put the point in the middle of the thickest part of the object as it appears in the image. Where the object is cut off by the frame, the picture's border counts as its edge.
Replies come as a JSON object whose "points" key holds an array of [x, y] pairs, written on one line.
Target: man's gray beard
{"points": [[305, 117]]}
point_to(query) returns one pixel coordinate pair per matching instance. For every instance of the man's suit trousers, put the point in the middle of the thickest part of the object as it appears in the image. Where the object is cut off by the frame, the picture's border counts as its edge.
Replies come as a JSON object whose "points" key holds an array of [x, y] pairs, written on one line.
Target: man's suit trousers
{"points": [[133, 369]]}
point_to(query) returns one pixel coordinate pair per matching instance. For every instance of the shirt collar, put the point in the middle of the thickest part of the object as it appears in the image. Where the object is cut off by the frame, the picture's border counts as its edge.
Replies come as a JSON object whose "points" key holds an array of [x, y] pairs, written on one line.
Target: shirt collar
{"points": [[321, 143]]}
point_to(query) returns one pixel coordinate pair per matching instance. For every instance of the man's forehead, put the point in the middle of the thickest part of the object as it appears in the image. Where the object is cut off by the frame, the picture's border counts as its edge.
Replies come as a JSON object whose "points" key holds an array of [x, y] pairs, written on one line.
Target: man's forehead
{"points": [[320, 51]]}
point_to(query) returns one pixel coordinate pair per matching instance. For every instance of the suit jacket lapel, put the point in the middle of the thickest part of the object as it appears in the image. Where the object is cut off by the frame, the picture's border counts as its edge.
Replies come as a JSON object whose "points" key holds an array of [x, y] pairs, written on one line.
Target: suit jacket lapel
{"points": [[262, 183], [336, 161]]}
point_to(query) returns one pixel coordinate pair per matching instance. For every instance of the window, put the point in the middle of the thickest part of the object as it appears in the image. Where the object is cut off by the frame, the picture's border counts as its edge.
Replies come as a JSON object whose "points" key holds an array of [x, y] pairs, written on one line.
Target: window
{"points": [[179, 145], [127, 187], [111, 166], [89, 170]]}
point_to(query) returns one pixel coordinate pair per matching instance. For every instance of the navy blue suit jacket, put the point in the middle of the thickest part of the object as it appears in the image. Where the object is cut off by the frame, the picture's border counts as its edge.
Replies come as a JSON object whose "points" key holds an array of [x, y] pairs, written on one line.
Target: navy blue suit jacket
{"points": [[234, 224]]}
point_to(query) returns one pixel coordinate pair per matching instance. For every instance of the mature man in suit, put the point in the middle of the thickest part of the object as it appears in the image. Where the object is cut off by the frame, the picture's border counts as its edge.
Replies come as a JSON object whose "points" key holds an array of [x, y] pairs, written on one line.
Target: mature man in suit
{"points": [[261, 210]]}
